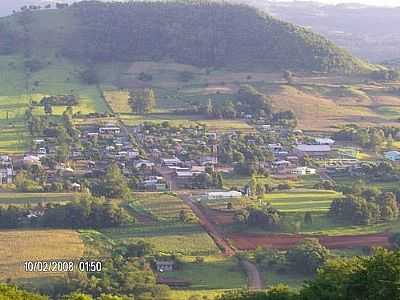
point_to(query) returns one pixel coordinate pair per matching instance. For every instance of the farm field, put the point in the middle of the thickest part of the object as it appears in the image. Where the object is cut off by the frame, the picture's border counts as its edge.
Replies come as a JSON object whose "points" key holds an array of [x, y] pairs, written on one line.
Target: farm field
{"points": [[302, 200], [216, 272], [18, 246], [34, 198], [162, 206], [178, 238]]}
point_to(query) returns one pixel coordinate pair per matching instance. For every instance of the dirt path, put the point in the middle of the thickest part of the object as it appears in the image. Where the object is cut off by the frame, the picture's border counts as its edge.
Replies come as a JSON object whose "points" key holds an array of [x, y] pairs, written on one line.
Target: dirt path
{"points": [[253, 275]]}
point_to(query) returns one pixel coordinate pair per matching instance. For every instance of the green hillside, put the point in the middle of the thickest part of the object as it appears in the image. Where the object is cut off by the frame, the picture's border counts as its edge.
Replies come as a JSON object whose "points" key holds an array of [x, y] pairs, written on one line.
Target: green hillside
{"points": [[203, 34]]}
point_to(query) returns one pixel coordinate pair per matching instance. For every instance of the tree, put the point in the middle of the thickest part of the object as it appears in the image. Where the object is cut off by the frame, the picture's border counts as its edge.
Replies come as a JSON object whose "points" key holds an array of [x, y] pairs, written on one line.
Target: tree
{"points": [[89, 76], [264, 215], [48, 109], [308, 256], [77, 296], [210, 107], [8, 292], [288, 76], [220, 181], [394, 240], [114, 183], [308, 218], [142, 101]]}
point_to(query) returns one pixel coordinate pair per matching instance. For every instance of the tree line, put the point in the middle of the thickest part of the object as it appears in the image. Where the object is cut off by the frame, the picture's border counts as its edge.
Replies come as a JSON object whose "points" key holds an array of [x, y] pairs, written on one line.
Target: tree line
{"points": [[365, 205], [86, 212]]}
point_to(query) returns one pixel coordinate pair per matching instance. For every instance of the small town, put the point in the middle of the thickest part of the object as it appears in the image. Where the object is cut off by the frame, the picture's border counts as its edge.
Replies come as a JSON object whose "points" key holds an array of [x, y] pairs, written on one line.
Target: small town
{"points": [[199, 150]]}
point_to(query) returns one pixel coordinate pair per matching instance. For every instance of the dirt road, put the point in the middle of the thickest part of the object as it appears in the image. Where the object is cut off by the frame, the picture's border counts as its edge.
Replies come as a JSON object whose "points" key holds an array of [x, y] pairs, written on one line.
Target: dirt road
{"points": [[253, 275]]}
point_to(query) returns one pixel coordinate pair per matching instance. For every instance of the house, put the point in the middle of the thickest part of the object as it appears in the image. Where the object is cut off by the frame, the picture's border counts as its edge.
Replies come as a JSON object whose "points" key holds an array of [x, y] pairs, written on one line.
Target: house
{"points": [[313, 150], [302, 171], [223, 195], [6, 170], [392, 155], [143, 164], [325, 141], [109, 130], [170, 162], [164, 266], [184, 179], [275, 147]]}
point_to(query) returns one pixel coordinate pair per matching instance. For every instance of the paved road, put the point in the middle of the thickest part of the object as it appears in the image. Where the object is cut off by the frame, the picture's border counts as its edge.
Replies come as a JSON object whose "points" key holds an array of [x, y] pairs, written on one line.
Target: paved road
{"points": [[253, 275]]}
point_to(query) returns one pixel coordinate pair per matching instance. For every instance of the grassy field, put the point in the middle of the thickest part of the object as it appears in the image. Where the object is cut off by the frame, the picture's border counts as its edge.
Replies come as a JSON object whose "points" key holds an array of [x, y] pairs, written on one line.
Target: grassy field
{"points": [[185, 239], [292, 280], [302, 200], [216, 272], [58, 77], [162, 206], [34, 198], [200, 294], [118, 101], [18, 246]]}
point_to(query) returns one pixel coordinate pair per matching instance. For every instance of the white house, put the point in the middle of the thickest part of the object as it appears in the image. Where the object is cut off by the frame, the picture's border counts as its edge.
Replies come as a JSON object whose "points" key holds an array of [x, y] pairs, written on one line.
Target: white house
{"points": [[302, 171], [325, 141], [223, 195], [109, 130]]}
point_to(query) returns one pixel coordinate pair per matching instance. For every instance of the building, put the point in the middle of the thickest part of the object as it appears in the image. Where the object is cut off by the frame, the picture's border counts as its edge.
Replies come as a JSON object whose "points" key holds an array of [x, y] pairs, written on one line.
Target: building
{"points": [[171, 162], [109, 130], [184, 179], [223, 195], [325, 141], [302, 171], [313, 150], [164, 266], [6, 170], [392, 155]]}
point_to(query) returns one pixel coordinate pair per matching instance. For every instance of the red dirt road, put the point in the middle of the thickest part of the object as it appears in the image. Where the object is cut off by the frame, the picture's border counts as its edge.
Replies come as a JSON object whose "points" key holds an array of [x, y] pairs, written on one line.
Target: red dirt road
{"points": [[281, 241], [253, 275]]}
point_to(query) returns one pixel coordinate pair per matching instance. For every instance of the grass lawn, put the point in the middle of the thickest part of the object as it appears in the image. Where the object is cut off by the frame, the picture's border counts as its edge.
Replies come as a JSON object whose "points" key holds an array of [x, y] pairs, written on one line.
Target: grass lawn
{"points": [[34, 198], [293, 280], [18, 246], [185, 239], [161, 205], [302, 200], [203, 294], [324, 225], [216, 272]]}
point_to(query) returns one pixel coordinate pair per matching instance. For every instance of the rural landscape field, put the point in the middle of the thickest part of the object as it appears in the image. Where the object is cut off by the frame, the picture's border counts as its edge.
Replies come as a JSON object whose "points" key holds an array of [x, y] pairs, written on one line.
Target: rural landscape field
{"points": [[193, 150]]}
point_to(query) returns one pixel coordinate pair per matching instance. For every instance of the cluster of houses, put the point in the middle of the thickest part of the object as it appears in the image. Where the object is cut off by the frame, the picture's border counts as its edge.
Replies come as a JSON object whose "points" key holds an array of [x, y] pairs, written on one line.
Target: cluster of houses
{"points": [[181, 154]]}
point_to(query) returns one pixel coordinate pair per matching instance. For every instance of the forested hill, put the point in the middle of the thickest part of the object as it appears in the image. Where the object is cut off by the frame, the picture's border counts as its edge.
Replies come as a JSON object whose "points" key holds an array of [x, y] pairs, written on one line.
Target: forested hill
{"points": [[205, 34]]}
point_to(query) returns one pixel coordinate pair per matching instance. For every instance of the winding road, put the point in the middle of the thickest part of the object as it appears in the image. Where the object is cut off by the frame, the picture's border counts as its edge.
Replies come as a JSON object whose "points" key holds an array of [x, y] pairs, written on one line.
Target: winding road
{"points": [[253, 275]]}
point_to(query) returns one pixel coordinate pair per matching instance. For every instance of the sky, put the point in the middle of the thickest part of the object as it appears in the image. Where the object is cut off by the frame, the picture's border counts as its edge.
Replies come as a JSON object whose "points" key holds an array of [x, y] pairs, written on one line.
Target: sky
{"points": [[369, 2]]}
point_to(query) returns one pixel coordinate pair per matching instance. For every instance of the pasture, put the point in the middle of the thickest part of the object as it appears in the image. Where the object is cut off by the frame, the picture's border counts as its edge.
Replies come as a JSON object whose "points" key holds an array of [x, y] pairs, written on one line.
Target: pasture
{"points": [[21, 199], [162, 206], [18, 246], [216, 272], [302, 200], [177, 238]]}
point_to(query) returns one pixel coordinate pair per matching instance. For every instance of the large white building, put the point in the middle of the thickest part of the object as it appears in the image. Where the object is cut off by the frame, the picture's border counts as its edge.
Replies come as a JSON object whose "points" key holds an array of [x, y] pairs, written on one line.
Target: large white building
{"points": [[223, 195]]}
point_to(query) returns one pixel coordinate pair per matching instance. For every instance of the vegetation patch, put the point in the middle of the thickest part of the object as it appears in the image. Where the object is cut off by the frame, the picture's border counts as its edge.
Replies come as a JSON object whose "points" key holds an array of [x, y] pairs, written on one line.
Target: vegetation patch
{"points": [[18, 246]]}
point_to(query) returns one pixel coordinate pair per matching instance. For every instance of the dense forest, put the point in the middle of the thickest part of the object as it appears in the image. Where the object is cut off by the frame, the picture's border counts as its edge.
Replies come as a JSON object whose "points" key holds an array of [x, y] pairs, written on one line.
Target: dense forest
{"points": [[201, 33]]}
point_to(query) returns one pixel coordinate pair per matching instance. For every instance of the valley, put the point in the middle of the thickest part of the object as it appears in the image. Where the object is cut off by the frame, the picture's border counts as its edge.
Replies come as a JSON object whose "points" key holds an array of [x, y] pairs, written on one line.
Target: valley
{"points": [[185, 166]]}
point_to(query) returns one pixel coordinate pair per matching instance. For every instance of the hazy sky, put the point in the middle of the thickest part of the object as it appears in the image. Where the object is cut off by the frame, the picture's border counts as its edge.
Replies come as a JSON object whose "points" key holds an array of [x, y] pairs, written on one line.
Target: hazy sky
{"points": [[370, 2]]}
